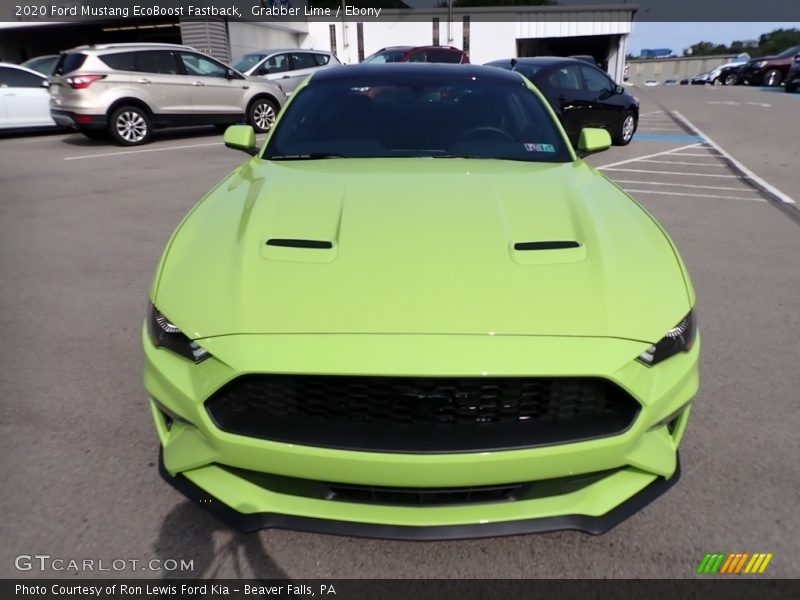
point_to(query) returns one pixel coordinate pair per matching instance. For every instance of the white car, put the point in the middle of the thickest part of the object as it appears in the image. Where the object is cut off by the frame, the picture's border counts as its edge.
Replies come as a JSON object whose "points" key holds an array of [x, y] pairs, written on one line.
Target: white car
{"points": [[24, 98]]}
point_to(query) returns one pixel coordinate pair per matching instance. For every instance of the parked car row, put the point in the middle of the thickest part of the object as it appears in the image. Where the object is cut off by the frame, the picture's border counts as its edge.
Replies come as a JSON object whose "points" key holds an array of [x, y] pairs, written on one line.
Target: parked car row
{"points": [[125, 91], [770, 71]]}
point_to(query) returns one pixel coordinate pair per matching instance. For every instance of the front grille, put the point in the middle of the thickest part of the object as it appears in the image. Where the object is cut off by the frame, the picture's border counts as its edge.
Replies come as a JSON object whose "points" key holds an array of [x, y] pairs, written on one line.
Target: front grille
{"points": [[409, 414]]}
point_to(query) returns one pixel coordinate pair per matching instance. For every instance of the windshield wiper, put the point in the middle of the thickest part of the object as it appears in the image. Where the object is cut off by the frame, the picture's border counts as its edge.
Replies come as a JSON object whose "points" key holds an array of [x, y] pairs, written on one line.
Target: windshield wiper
{"points": [[312, 156]]}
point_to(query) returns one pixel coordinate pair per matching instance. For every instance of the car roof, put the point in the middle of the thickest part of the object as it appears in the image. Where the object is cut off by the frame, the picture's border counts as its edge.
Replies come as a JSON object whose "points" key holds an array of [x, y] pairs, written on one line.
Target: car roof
{"points": [[277, 50], [21, 68], [130, 46], [543, 61], [406, 71]]}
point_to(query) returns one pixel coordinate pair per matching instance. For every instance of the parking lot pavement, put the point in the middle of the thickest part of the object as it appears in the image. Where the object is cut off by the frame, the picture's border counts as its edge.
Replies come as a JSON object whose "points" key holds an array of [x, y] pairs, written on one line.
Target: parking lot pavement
{"points": [[82, 225]]}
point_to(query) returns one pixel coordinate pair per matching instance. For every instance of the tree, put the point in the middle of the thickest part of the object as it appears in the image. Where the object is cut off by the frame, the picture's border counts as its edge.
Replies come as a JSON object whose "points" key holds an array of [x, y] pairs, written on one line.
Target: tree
{"points": [[773, 42]]}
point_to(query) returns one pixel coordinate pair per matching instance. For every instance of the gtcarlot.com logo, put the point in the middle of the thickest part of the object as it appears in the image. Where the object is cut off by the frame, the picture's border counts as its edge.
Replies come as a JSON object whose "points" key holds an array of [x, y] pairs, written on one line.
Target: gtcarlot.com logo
{"points": [[734, 564], [46, 562]]}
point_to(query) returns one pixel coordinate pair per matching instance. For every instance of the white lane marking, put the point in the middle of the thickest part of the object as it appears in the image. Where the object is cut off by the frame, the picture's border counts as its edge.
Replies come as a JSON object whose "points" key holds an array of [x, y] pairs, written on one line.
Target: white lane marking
{"points": [[693, 195], [676, 162], [630, 160], [689, 185], [646, 128], [675, 173], [126, 152], [652, 112], [706, 155], [750, 175]]}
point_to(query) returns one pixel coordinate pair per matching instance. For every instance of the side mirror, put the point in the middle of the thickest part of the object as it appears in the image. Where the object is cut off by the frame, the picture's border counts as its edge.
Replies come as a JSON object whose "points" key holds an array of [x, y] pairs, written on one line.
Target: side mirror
{"points": [[45, 83], [241, 137], [619, 90], [593, 139], [230, 74]]}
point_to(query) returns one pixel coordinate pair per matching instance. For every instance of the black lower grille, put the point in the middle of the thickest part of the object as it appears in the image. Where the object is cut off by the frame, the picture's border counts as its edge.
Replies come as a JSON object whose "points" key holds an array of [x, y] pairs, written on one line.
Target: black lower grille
{"points": [[411, 496], [405, 414]]}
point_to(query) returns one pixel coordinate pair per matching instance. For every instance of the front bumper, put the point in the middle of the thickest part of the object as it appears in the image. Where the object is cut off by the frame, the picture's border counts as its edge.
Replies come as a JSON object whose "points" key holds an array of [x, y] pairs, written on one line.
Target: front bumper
{"points": [[201, 461], [245, 522]]}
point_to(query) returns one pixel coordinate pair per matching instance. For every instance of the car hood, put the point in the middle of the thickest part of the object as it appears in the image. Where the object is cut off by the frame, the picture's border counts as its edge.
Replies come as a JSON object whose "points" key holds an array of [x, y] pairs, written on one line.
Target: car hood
{"points": [[420, 246]]}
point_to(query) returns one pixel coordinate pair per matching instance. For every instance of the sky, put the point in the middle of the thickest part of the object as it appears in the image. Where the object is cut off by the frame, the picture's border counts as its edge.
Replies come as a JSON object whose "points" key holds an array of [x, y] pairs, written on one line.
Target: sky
{"points": [[677, 36]]}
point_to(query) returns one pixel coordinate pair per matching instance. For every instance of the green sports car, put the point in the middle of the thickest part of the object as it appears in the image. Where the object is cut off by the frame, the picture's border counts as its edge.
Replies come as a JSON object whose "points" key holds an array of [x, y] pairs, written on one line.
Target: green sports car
{"points": [[416, 313]]}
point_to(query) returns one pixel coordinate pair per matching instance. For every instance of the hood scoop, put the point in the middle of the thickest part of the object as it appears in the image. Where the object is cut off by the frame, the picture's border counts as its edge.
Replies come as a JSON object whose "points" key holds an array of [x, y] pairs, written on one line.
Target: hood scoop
{"points": [[547, 252], [545, 245], [289, 243], [299, 250]]}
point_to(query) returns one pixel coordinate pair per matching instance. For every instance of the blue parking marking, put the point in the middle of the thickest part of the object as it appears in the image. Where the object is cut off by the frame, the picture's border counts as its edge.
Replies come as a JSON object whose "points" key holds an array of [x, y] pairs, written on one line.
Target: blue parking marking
{"points": [[667, 137]]}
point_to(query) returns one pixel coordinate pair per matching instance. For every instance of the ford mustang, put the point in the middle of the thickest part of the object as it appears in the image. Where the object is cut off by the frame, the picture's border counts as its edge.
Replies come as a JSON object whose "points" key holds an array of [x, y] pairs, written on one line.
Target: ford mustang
{"points": [[415, 312]]}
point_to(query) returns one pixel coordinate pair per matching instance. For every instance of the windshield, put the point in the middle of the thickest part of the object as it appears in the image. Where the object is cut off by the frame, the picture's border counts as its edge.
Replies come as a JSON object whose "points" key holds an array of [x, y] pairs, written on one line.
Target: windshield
{"points": [[426, 117], [789, 52], [387, 56], [247, 62]]}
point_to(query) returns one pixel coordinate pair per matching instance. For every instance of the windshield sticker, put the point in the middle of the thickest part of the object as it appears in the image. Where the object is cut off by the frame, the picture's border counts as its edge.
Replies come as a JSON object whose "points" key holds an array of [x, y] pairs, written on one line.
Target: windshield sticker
{"points": [[540, 148]]}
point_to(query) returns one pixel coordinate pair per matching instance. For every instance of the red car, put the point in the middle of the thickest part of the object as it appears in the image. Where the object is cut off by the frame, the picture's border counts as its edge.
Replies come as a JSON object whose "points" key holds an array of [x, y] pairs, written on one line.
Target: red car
{"points": [[429, 54]]}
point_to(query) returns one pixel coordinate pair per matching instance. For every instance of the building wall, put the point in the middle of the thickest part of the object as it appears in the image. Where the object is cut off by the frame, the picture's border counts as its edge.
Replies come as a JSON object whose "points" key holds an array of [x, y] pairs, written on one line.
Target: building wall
{"points": [[250, 37], [661, 69], [488, 40]]}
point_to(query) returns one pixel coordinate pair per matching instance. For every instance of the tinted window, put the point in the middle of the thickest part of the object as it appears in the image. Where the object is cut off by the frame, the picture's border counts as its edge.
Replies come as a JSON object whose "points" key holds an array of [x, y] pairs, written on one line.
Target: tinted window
{"points": [[420, 56], [527, 70], [321, 59], [197, 64], [124, 61], [18, 78], [387, 56], [248, 61], [69, 62], [275, 64], [444, 56], [303, 60], [595, 80], [158, 61], [416, 117], [566, 78]]}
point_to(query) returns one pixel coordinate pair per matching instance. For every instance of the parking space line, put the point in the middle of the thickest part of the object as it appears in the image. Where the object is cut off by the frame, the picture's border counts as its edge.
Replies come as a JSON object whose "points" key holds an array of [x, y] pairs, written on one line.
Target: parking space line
{"points": [[758, 181], [652, 112], [630, 160], [690, 185], [630, 190], [647, 128], [675, 173], [140, 151], [707, 154], [676, 162]]}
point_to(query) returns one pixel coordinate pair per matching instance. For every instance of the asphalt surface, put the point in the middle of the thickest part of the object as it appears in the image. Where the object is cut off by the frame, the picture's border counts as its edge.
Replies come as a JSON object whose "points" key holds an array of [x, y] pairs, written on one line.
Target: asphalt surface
{"points": [[82, 225]]}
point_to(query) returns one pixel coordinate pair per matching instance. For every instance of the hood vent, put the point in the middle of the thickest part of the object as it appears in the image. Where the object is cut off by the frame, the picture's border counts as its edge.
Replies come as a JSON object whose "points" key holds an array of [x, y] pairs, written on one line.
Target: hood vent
{"points": [[545, 245], [314, 244]]}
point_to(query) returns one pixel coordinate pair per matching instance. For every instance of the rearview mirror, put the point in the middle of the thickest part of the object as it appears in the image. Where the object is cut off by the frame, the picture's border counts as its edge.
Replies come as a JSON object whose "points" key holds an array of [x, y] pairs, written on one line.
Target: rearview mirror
{"points": [[241, 137], [593, 139]]}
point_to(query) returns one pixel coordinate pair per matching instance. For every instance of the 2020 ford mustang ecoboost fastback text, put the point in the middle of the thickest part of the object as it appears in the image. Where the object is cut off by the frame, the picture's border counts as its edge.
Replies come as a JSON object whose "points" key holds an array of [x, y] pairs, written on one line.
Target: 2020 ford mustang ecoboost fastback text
{"points": [[415, 312]]}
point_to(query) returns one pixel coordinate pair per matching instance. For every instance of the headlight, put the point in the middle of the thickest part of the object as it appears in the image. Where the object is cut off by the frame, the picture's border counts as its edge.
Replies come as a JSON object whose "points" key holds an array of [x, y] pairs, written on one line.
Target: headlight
{"points": [[761, 63], [164, 334], [678, 339]]}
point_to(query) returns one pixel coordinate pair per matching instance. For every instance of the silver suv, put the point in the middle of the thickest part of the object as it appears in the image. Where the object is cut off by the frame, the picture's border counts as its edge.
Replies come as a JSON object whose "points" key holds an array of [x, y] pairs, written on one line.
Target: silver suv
{"points": [[287, 67], [127, 90]]}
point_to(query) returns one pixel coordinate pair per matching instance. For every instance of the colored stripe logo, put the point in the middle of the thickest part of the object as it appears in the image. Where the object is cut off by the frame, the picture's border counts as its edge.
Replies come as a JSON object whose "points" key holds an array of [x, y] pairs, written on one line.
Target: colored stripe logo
{"points": [[734, 564]]}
